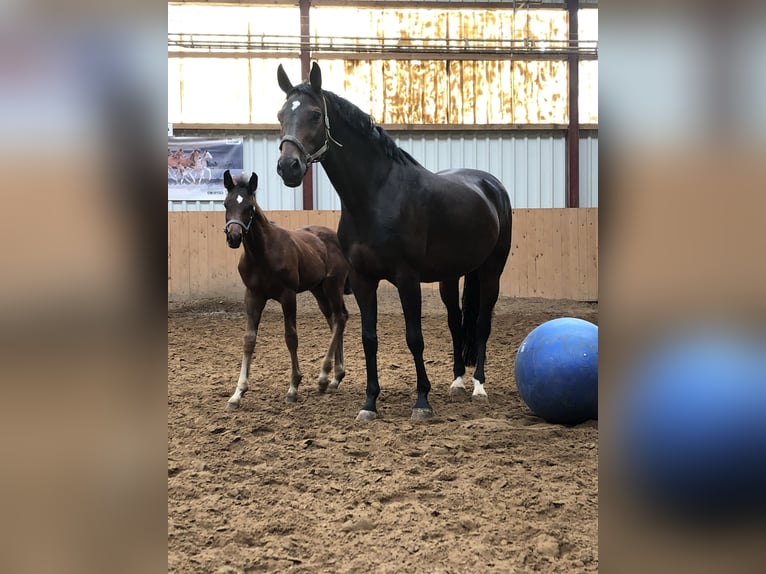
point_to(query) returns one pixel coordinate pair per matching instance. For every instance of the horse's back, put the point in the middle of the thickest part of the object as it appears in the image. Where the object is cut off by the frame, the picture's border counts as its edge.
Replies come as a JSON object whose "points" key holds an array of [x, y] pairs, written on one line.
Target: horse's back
{"points": [[491, 187]]}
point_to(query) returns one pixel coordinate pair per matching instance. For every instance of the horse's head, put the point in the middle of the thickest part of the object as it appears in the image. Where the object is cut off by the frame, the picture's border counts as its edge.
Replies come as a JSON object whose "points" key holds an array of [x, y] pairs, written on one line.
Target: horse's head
{"points": [[240, 207], [305, 128]]}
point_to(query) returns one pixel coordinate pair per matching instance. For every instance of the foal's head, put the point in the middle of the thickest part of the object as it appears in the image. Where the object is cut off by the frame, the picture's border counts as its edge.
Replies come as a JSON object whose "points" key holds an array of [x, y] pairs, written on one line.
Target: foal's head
{"points": [[305, 129], [240, 207]]}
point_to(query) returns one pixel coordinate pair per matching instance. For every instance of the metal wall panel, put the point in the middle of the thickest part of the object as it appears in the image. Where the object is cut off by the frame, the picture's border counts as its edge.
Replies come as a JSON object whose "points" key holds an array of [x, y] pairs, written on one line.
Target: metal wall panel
{"points": [[589, 170], [531, 165]]}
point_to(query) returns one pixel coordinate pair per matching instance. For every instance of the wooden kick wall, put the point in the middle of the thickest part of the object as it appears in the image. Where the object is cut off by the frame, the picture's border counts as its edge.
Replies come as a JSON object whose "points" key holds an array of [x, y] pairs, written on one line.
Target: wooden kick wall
{"points": [[554, 253]]}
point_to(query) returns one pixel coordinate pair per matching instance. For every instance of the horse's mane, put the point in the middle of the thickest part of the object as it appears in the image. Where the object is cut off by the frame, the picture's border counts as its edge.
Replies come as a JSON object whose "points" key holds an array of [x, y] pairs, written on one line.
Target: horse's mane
{"points": [[363, 124]]}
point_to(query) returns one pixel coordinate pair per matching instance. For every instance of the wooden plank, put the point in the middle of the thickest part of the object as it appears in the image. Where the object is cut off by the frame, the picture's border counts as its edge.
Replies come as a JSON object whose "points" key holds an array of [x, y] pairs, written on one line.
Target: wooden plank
{"points": [[592, 270], [554, 253], [214, 237], [179, 237], [170, 255], [533, 284], [582, 255], [204, 243], [195, 269], [513, 282], [567, 249], [553, 262]]}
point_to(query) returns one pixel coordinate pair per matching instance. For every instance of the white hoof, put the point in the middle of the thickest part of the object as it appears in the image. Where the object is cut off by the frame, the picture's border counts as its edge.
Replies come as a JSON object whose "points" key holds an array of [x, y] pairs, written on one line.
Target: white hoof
{"points": [[479, 394], [232, 405], [457, 389], [366, 416]]}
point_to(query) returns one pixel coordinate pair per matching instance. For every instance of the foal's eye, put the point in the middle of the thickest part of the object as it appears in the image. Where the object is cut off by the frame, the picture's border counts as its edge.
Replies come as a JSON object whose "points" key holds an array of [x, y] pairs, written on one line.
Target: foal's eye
{"points": [[316, 115]]}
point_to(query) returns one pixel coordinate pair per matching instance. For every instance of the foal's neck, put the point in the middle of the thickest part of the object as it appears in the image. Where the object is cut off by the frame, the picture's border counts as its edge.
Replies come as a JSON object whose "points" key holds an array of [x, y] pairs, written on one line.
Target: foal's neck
{"points": [[257, 237]]}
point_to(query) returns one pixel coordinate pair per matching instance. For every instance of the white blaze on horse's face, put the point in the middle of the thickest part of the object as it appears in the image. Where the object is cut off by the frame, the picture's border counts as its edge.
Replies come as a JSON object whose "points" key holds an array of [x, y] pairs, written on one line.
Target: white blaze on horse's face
{"points": [[240, 199], [296, 103]]}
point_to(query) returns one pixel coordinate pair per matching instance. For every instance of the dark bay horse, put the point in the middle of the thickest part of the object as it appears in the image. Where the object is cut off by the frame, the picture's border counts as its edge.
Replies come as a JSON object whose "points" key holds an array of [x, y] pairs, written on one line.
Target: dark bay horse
{"points": [[277, 264], [405, 224]]}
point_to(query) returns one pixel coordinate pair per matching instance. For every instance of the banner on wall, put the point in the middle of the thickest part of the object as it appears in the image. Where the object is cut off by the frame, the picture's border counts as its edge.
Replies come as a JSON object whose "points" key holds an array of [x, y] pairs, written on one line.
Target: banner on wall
{"points": [[196, 166]]}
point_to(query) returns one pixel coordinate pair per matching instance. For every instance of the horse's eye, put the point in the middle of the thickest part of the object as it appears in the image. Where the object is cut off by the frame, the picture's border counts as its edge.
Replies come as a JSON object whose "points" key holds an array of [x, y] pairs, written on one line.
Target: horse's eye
{"points": [[316, 115]]}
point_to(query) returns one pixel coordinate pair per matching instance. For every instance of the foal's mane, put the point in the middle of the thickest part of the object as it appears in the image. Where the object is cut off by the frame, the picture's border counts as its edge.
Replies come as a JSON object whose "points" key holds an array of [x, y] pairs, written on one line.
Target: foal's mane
{"points": [[362, 123]]}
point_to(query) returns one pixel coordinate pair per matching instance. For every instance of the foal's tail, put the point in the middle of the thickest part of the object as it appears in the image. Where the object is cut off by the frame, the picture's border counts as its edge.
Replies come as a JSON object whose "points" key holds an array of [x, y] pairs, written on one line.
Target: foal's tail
{"points": [[470, 316]]}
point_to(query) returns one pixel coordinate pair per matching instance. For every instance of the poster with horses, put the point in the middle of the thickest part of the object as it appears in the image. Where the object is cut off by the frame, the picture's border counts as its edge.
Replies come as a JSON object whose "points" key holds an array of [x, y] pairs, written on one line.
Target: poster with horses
{"points": [[196, 166]]}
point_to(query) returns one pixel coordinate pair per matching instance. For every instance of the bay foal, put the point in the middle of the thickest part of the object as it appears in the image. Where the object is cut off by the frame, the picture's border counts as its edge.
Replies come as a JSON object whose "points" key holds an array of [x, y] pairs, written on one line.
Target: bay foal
{"points": [[276, 264]]}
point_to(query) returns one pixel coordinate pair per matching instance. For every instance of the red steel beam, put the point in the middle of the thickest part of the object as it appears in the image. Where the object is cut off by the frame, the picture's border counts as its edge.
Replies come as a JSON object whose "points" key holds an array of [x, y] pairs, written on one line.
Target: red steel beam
{"points": [[308, 179], [573, 131]]}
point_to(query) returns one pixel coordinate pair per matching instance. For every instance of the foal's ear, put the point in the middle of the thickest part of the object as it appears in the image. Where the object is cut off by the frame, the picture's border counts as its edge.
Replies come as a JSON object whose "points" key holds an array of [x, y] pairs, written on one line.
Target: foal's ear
{"points": [[228, 183], [316, 78], [252, 185], [284, 81]]}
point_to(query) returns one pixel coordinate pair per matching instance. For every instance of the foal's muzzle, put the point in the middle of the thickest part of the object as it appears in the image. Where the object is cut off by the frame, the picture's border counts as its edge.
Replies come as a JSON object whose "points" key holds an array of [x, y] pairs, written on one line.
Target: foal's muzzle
{"points": [[234, 240], [234, 230]]}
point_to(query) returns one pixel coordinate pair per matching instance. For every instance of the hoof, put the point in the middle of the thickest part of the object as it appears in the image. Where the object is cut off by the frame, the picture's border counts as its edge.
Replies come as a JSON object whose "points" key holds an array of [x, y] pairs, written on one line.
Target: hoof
{"points": [[457, 393], [480, 398], [366, 416], [232, 406], [291, 398], [333, 386], [322, 386], [422, 414]]}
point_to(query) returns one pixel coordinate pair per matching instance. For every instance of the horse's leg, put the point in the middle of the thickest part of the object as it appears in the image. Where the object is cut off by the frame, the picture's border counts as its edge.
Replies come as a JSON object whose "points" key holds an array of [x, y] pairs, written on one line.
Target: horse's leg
{"points": [[366, 295], [254, 305], [291, 339], [410, 297], [334, 292], [324, 306], [450, 297], [489, 289]]}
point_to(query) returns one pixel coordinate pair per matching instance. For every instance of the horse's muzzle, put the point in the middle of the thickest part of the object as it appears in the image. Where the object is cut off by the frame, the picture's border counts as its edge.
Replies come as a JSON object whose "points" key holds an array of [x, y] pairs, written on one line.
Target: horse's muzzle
{"points": [[233, 238], [291, 170]]}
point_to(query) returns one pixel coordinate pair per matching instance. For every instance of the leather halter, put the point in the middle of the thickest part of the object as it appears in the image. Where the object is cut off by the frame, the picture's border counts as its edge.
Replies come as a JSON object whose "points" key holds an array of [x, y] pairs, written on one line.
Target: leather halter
{"points": [[318, 155], [246, 228]]}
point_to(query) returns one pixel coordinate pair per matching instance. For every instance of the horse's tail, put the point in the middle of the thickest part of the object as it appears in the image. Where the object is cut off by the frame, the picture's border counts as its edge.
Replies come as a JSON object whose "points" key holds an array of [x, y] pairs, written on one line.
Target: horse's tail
{"points": [[347, 288], [470, 316]]}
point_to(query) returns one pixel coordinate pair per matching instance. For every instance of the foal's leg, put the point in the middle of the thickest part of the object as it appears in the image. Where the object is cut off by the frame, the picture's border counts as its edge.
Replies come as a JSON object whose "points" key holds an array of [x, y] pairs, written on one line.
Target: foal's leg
{"points": [[324, 306], [449, 294], [334, 292], [254, 305], [291, 339], [410, 297], [489, 286], [366, 295]]}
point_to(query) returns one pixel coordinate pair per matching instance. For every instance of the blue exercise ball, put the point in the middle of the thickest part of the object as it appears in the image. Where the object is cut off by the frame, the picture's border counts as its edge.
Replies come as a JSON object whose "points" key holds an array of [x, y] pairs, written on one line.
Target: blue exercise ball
{"points": [[557, 371], [694, 424]]}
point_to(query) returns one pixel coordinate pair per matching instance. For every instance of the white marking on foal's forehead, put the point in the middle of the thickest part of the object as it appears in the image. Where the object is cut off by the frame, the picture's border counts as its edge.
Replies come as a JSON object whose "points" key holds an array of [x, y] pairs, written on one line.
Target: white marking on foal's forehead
{"points": [[296, 103], [240, 199]]}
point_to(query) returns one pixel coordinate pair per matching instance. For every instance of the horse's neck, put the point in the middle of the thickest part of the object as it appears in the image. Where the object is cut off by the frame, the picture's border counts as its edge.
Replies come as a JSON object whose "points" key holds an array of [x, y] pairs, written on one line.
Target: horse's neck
{"points": [[355, 168]]}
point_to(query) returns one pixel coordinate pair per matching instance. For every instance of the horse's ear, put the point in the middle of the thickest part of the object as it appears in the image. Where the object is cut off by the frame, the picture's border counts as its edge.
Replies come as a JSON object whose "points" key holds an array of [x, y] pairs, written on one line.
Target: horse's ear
{"points": [[228, 183], [284, 81], [316, 78], [252, 185]]}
